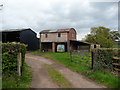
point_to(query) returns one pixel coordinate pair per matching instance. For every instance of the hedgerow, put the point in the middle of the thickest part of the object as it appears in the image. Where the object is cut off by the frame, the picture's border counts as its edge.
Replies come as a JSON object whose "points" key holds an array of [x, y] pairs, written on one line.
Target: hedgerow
{"points": [[9, 56], [103, 57]]}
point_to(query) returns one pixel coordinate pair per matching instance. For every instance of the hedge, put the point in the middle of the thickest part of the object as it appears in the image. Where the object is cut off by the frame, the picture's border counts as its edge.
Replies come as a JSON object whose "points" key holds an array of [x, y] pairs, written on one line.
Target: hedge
{"points": [[103, 57], [9, 56]]}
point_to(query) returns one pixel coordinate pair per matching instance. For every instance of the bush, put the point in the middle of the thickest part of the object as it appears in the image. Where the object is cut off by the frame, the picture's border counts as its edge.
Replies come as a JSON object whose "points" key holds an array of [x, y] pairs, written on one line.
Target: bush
{"points": [[9, 56], [15, 81], [103, 57]]}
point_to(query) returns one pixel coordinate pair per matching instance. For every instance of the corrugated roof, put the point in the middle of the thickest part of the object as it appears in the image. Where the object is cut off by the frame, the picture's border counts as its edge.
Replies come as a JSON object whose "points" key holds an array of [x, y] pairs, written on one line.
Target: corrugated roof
{"points": [[16, 30], [13, 30], [56, 30], [81, 42]]}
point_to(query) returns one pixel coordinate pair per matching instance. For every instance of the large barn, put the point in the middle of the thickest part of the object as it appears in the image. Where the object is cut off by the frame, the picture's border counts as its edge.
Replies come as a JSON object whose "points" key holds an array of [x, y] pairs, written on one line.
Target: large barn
{"points": [[54, 40], [26, 36]]}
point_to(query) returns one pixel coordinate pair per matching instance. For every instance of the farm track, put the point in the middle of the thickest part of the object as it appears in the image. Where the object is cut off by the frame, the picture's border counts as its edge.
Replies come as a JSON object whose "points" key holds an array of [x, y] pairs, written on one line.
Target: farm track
{"points": [[41, 79]]}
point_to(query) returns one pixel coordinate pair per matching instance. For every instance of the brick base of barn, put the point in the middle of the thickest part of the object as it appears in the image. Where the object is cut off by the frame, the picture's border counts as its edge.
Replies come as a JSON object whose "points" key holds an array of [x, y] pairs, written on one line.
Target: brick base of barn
{"points": [[72, 45]]}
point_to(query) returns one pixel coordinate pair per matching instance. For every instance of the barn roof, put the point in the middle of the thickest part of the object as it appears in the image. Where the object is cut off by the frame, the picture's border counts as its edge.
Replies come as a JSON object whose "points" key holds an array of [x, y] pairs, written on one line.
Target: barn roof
{"points": [[16, 30], [56, 30], [81, 42]]}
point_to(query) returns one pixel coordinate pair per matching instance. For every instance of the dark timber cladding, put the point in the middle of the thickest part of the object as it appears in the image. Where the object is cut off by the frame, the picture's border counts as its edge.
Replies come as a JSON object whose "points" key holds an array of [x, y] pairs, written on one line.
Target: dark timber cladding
{"points": [[26, 36]]}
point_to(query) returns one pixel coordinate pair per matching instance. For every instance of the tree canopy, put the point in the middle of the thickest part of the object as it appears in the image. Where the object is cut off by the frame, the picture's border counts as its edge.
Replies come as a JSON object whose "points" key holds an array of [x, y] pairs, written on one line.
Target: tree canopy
{"points": [[103, 36]]}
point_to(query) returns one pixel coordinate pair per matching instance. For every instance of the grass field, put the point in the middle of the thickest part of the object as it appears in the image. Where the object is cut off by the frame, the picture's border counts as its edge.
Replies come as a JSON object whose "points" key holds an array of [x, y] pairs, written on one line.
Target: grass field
{"points": [[82, 64], [15, 81]]}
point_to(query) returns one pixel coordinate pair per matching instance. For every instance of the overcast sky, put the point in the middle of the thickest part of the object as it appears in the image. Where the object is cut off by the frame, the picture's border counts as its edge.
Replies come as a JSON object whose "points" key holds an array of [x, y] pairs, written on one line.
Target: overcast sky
{"points": [[58, 14]]}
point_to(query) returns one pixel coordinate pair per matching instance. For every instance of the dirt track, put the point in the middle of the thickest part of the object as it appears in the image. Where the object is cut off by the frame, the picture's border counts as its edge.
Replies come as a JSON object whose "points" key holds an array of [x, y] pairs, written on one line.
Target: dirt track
{"points": [[41, 79]]}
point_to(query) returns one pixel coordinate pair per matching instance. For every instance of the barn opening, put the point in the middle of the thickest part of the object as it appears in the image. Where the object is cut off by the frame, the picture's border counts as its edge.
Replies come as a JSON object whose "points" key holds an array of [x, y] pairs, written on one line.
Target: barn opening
{"points": [[79, 45], [53, 47], [60, 48], [46, 46], [10, 37]]}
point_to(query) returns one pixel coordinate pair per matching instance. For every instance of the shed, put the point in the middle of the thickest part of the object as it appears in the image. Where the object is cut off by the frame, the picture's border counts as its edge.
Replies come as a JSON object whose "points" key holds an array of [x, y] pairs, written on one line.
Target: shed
{"points": [[80, 45], [26, 36]]}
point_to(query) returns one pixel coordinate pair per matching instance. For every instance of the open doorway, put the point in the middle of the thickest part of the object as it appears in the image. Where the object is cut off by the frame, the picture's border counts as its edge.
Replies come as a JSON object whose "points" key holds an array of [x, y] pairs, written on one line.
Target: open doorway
{"points": [[60, 48]]}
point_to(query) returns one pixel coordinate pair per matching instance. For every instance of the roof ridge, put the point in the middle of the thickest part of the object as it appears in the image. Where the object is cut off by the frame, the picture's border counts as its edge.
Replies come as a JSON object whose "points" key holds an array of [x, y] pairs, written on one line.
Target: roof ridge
{"points": [[59, 29], [15, 29], [56, 30]]}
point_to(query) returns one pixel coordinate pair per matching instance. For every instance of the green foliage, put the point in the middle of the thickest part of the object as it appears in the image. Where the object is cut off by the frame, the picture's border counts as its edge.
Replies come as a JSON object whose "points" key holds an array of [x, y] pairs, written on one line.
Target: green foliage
{"points": [[102, 36], [9, 62], [103, 57], [9, 56], [105, 78], [10, 78], [15, 81]]}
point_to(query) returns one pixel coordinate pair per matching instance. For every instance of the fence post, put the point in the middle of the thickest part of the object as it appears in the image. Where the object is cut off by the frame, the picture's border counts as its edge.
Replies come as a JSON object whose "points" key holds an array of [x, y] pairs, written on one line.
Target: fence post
{"points": [[92, 60], [19, 59], [71, 55]]}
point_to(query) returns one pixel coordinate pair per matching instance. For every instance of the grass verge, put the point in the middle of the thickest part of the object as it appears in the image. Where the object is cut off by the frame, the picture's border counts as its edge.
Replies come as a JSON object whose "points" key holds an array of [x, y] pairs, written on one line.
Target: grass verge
{"points": [[57, 78], [82, 64], [15, 81]]}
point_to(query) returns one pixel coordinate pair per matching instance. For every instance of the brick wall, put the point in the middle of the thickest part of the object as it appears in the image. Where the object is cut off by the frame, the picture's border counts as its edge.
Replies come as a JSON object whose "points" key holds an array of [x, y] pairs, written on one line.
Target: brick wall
{"points": [[53, 37]]}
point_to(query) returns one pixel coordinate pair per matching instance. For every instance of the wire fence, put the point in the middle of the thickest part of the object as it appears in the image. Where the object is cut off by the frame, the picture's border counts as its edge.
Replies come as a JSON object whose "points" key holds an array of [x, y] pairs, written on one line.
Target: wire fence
{"points": [[81, 57]]}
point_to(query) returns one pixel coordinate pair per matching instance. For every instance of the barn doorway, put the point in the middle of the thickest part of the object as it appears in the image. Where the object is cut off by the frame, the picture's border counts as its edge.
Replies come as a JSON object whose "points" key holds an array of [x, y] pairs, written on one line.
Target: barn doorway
{"points": [[10, 36], [60, 48]]}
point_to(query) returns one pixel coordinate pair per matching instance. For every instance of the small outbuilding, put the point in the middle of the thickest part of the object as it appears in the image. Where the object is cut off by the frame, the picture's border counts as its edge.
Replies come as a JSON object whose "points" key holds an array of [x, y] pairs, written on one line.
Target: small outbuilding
{"points": [[26, 36], [82, 46]]}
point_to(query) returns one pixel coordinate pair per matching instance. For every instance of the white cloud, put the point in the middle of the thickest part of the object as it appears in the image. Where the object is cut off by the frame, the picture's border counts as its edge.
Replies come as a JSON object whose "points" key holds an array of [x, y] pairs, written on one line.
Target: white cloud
{"points": [[54, 14]]}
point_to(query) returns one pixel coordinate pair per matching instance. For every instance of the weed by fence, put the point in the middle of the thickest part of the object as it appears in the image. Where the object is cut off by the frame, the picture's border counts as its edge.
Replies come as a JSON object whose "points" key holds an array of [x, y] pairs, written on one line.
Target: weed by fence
{"points": [[103, 57]]}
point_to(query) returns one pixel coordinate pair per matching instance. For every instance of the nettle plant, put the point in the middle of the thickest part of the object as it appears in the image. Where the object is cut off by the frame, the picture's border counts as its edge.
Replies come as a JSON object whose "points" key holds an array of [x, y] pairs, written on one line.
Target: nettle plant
{"points": [[103, 57], [9, 56]]}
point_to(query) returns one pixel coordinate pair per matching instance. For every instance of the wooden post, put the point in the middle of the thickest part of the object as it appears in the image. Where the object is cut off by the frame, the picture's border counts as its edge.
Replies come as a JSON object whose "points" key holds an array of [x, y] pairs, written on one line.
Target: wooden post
{"points": [[71, 54], [68, 46], [92, 59], [53, 47], [19, 57], [40, 43]]}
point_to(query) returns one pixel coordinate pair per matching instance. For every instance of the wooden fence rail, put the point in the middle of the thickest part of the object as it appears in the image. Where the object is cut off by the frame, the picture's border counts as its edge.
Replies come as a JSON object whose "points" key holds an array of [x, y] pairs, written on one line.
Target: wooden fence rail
{"points": [[117, 65]]}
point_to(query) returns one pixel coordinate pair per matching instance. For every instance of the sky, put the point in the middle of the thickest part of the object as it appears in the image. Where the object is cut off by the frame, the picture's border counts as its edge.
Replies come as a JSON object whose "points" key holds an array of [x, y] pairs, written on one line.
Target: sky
{"points": [[58, 14]]}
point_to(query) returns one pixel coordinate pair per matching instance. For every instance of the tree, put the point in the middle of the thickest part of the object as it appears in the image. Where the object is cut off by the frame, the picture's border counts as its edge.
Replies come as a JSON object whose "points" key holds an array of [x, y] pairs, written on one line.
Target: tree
{"points": [[102, 36]]}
